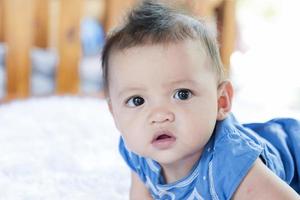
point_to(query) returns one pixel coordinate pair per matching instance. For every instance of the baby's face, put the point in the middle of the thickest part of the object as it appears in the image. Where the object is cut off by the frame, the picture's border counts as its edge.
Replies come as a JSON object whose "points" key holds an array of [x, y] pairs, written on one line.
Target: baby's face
{"points": [[164, 100]]}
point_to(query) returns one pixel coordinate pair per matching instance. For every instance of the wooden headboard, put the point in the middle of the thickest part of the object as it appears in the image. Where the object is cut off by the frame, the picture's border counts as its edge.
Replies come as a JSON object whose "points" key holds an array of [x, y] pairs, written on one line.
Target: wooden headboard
{"points": [[24, 24]]}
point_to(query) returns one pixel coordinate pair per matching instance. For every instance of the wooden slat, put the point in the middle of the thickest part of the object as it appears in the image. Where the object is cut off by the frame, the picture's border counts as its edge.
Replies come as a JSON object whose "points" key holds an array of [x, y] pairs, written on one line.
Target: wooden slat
{"points": [[227, 29], [67, 78], [102, 11], [18, 27], [1, 21], [41, 23], [115, 10]]}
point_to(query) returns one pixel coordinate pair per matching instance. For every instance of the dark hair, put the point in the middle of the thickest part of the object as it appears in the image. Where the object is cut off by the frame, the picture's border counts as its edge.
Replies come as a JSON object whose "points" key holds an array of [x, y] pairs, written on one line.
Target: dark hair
{"points": [[153, 22]]}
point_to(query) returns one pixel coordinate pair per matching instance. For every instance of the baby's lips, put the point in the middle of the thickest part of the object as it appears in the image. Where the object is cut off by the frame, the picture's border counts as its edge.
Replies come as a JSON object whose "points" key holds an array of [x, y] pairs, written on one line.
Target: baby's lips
{"points": [[162, 135]]}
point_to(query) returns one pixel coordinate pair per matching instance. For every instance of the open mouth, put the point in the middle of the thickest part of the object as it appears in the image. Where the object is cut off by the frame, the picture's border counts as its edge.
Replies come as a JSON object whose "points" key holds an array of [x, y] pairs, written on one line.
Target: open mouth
{"points": [[163, 140], [163, 137]]}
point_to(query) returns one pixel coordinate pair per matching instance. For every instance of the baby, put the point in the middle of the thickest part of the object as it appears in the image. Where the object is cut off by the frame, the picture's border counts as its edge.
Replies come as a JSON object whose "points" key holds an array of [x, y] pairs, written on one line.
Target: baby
{"points": [[171, 102]]}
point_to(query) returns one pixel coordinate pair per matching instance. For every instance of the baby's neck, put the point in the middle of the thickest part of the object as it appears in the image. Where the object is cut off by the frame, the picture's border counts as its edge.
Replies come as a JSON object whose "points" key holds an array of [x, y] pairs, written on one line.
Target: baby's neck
{"points": [[176, 171]]}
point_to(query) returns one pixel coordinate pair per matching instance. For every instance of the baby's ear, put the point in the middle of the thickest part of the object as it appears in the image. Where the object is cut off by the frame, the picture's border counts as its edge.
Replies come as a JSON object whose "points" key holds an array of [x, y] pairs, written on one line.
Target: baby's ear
{"points": [[225, 93]]}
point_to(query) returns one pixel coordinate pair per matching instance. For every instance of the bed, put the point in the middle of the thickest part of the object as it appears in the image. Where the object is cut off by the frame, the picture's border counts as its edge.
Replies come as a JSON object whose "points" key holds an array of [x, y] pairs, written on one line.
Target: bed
{"points": [[60, 148]]}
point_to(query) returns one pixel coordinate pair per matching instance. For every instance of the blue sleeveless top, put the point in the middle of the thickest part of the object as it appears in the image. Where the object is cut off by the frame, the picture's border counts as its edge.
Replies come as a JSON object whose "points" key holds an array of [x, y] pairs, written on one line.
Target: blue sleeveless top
{"points": [[227, 158]]}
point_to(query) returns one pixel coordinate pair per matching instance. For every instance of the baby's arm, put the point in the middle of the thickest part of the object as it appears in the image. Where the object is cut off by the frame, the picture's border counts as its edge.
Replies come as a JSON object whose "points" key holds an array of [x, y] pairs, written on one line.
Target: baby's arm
{"points": [[262, 183], [138, 190]]}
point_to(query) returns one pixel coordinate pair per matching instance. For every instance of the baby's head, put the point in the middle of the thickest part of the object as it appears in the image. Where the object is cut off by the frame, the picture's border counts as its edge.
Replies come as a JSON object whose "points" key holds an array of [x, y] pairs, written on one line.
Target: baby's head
{"points": [[164, 82], [156, 24]]}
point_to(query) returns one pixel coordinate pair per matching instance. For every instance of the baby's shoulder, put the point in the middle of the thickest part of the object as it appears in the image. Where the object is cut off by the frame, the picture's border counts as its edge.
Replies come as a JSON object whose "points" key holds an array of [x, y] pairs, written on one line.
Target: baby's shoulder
{"points": [[261, 183]]}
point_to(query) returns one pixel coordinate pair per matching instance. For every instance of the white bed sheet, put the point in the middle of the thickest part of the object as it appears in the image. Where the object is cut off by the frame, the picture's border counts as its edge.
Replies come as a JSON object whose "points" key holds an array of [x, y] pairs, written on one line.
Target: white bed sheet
{"points": [[60, 148]]}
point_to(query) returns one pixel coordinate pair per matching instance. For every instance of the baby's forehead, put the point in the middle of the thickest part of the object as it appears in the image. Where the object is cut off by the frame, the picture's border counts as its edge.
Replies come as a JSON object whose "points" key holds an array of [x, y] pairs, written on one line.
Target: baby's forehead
{"points": [[178, 59], [177, 48], [178, 54]]}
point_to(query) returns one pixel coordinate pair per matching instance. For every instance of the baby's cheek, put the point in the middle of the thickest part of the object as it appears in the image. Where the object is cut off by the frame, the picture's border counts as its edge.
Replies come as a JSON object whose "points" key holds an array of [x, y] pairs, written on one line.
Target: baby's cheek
{"points": [[128, 130], [133, 144], [120, 120]]}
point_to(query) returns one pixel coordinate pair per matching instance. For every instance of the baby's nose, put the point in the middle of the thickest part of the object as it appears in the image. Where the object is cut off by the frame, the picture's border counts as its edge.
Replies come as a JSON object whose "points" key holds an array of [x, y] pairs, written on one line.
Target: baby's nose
{"points": [[161, 115]]}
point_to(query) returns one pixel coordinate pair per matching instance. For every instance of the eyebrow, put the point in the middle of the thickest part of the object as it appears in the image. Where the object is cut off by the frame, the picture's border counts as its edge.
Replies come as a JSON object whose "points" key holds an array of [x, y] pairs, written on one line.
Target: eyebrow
{"points": [[130, 89], [177, 82]]}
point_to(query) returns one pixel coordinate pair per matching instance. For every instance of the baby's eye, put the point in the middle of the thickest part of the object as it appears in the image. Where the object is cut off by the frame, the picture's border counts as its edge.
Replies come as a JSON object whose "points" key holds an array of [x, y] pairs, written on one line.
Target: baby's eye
{"points": [[135, 101], [183, 94]]}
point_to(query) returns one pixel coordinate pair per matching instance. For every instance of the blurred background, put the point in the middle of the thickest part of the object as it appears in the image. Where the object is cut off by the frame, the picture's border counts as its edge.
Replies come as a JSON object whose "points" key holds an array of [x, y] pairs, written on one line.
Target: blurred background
{"points": [[265, 65], [53, 46]]}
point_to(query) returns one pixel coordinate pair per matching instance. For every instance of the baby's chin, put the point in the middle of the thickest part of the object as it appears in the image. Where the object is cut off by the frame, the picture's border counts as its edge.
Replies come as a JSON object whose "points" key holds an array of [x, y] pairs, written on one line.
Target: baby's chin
{"points": [[166, 158], [162, 158]]}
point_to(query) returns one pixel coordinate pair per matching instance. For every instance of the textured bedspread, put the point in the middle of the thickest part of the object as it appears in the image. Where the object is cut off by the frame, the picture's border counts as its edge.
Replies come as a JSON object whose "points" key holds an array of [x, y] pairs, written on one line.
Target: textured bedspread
{"points": [[60, 148]]}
